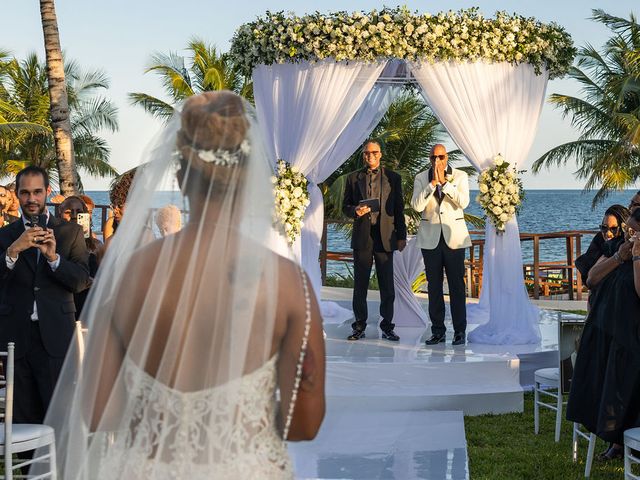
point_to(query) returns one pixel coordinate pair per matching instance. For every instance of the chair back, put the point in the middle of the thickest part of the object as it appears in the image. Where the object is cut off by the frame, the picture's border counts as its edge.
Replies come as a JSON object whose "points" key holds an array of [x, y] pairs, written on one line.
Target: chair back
{"points": [[6, 384]]}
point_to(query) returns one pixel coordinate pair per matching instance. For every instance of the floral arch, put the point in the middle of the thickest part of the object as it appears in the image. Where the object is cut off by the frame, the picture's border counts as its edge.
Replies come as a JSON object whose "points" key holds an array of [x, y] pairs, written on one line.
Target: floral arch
{"points": [[323, 81]]}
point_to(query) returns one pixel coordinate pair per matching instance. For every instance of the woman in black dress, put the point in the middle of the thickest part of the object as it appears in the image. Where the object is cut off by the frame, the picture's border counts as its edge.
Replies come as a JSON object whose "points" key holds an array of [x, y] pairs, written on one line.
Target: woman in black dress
{"points": [[610, 228], [605, 388]]}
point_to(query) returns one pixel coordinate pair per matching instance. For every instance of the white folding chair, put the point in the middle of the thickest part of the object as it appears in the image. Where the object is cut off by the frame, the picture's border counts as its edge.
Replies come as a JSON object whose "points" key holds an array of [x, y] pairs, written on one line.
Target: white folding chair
{"points": [[631, 441], [591, 437], [22, 437], [546, 380]]}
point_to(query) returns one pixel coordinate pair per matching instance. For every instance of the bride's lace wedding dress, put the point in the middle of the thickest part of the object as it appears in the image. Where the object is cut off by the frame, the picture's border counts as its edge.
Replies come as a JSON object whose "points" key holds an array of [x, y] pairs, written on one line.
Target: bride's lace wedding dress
{"points": [[236, 421], [171, 425]]}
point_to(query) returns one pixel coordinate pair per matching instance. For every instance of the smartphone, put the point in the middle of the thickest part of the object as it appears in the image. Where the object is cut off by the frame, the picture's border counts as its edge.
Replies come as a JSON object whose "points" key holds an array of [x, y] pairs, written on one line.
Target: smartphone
{"points": [[40, 221], [84, 220]]}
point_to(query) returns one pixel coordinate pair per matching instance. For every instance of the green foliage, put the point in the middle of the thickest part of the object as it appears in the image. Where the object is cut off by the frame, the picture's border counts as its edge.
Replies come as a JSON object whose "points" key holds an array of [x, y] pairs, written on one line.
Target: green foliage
{"points": [[607, 114], [26, 137], [505, 447], [207, 69], [347, 281]]}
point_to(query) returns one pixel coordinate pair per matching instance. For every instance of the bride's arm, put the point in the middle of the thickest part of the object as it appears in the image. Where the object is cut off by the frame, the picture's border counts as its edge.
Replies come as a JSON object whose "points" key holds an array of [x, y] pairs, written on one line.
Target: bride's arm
{"points": [[310, 403]]}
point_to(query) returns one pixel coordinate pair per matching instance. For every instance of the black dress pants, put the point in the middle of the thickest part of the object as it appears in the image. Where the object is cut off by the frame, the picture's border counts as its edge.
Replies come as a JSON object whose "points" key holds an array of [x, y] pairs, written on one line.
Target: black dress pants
{"points": [[35, 377], [362, 263], [437, 261]]}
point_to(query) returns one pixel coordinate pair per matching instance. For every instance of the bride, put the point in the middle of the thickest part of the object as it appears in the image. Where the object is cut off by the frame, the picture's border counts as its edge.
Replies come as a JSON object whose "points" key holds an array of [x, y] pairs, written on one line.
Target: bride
{"points": [[205, 349]]}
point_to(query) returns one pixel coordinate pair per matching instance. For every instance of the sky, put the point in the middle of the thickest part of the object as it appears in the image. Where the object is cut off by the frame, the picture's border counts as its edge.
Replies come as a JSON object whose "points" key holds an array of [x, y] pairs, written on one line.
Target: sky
{"points": [[120, 37]]}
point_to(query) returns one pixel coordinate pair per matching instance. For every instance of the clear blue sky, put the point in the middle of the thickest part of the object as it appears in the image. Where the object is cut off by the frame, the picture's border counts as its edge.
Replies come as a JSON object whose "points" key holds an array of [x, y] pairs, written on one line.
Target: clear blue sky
{"points": [[120, 36]]}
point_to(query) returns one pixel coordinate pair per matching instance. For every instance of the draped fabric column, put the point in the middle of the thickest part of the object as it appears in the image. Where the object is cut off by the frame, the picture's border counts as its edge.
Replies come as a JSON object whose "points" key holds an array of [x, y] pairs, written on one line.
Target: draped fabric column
{"points": [[490, 109], [303, 108]]}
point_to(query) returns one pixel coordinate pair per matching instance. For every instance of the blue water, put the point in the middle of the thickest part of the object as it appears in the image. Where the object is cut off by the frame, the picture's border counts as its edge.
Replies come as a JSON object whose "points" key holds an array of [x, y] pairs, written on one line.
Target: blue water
{"points": [[542, 211]]}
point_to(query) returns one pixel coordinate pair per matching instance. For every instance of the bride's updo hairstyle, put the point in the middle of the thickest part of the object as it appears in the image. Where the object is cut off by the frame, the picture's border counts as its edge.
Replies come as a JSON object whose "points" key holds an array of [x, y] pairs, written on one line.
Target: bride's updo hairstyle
{"points": [[212, 142]]}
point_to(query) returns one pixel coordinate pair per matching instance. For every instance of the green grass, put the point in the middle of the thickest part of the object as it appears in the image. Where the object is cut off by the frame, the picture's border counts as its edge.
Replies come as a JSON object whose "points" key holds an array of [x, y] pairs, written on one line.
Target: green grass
{"points": [[505, 447]]}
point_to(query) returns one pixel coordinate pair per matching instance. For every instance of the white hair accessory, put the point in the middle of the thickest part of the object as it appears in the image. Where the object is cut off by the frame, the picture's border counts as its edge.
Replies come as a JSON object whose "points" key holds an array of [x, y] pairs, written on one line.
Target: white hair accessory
{"points": [[224, 158]]}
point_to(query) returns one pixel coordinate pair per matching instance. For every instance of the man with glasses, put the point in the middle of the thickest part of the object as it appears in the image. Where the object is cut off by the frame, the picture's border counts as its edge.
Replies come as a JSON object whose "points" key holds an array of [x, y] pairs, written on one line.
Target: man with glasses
{"points": [[441, 194], [373, 198]]}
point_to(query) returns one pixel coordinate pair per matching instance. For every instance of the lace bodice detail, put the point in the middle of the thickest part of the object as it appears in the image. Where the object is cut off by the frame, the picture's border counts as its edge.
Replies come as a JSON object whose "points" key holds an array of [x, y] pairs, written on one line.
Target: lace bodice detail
{"points": [[227, 431]]}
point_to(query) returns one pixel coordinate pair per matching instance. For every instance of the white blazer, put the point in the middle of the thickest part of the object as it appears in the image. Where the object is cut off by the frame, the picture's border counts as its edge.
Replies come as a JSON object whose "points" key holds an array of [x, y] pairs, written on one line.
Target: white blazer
{"points": [[446, 217]]}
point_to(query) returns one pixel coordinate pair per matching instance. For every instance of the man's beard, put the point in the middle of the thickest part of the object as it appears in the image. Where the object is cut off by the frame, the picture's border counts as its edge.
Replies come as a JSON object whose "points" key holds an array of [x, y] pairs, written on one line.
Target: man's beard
{"points": [[40, 210]]}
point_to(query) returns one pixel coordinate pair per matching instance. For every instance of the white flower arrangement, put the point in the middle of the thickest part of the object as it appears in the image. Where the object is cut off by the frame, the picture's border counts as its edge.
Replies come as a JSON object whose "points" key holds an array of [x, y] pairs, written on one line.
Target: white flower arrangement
{"points": [[501, 192], [460, 36], [292, 199]]}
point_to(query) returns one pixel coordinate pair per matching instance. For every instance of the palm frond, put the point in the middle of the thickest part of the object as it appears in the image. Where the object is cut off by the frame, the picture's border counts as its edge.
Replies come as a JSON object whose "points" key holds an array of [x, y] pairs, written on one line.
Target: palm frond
{"points": [[156, 107]]}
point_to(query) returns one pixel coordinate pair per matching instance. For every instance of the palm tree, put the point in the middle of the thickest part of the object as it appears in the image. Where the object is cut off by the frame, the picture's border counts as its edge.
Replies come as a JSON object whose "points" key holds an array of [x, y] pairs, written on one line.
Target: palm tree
{"points": [[607, 151], [59, 103], [26, 135], [407, 132], [207, 70]]}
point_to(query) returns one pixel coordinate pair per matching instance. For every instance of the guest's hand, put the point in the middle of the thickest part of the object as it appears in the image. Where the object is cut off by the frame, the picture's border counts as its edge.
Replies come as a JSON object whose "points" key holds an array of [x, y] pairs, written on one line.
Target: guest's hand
{"points": [[362, 210], [47, 245], [28, 239], [402, 244], [625, 250]]}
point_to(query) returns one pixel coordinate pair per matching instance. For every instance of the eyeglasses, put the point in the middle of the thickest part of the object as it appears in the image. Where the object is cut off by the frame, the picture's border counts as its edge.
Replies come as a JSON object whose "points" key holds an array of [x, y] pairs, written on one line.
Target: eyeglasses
{"points": [[605, 228], [438, 157], [366, 154]]}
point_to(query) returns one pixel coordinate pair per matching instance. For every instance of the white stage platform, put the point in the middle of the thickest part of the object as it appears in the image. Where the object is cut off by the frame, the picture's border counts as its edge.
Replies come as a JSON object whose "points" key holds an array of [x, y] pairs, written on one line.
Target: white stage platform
{"points": [[394, 445], [378, 375]]}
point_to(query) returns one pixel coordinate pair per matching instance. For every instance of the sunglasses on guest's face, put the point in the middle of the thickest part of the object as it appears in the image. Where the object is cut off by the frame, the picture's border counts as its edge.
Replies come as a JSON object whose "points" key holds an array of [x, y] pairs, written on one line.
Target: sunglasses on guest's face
{"points": [[438, 157], [605, 228]]}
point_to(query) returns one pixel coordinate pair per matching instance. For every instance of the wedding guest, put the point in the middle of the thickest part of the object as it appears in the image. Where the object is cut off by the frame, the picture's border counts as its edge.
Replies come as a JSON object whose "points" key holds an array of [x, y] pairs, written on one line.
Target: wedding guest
{"points": [[56, 200], [378, 229], [168, 220], [13, 207], [42, 265], [69, 210], [440, 195], [5, 202], [118, 198], [611, 227], [605, 388]]}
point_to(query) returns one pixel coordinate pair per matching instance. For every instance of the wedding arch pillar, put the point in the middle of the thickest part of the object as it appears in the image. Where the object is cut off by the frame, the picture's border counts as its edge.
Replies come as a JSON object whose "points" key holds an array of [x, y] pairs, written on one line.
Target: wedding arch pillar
{"points": [[490, 109], [303, 108]]}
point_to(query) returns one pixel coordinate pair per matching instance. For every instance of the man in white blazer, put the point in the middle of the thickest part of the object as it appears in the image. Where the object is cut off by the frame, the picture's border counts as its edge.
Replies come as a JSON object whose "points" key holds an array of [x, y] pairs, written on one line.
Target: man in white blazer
{"points": [[441, 194]]}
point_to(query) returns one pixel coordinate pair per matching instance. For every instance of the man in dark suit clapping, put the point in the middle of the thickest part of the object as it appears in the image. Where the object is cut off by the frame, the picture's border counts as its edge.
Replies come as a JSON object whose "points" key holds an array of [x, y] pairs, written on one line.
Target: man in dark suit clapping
{"points": [[43, 262], [373, 198]]}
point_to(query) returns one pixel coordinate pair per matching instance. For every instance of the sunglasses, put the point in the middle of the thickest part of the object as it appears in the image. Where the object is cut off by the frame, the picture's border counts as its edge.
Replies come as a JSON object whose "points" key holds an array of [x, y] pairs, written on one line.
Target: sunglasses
{"points": [[605, 229], [438, 157]]}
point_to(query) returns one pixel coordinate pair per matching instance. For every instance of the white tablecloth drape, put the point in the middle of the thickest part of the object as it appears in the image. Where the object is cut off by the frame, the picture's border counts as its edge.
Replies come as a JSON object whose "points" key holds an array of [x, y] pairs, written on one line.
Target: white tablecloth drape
{"points": [[407, 265], [491, 109]]}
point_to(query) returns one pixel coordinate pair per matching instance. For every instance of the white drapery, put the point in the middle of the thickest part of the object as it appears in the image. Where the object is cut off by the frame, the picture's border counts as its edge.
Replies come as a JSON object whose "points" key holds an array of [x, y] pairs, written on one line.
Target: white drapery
{"points": [[490, 109], [407, 265], [303, 109]]}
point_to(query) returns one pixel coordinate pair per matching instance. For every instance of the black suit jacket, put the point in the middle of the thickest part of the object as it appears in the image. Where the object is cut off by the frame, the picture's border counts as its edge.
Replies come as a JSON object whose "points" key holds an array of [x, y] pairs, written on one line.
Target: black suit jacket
{"points": [[52, 291], [391, 218]]}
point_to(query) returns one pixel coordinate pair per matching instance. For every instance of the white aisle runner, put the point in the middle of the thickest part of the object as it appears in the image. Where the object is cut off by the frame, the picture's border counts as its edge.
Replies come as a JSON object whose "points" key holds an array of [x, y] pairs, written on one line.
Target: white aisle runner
{"points": [[388, 445]]}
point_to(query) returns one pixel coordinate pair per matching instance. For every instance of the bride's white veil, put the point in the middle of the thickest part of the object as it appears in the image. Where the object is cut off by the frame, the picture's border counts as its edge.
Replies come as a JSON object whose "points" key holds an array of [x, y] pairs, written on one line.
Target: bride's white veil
{"points": [[194, 311]]}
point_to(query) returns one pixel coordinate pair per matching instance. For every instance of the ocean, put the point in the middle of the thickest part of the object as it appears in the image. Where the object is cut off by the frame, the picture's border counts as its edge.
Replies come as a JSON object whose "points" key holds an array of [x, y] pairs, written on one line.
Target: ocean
{"points": [[542, 211]]}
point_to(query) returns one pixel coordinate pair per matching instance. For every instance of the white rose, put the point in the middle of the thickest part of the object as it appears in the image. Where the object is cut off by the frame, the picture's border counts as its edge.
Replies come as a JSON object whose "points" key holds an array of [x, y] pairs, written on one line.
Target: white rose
{"points": [[294, 169], [497, 210], [297, 192], [504, 217], [496, 199], [497, 188], [498, 160], [274, 179], [483, 188], [287, 182]]}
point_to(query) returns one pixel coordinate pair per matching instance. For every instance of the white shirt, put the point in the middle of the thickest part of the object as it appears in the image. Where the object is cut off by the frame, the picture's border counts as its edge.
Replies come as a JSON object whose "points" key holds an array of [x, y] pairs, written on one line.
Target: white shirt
{"points": [[11, 263]]}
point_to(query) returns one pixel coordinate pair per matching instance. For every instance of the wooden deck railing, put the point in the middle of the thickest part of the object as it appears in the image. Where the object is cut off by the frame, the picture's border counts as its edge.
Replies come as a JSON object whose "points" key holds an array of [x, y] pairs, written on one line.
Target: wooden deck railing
{"points": [[542, 277]]}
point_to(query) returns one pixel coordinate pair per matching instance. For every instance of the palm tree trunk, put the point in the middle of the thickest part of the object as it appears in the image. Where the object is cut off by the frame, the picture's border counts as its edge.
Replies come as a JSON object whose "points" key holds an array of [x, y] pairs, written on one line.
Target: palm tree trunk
{"points": [[59, 104]]}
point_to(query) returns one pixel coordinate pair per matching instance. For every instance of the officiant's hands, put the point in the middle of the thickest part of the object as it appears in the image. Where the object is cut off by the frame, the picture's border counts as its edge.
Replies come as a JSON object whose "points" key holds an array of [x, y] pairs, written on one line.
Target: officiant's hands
{"points": [[362, 210]]}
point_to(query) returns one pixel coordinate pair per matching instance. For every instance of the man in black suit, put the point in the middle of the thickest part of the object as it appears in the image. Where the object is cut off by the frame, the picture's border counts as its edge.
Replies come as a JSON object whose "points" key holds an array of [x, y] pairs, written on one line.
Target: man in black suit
{"points": [[377, 232], [41, 266]]}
